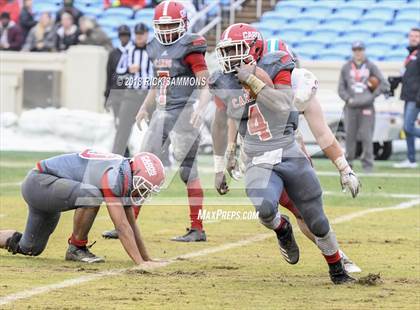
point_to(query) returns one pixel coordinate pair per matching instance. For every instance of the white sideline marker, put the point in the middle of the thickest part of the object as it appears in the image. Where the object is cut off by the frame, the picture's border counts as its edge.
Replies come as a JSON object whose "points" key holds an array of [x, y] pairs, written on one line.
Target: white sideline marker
{"points": [[260, 237]]}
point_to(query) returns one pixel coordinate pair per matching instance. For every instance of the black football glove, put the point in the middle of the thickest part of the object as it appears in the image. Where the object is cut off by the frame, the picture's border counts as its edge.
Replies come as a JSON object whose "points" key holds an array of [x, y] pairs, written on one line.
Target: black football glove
{"points": [[220, 183]]}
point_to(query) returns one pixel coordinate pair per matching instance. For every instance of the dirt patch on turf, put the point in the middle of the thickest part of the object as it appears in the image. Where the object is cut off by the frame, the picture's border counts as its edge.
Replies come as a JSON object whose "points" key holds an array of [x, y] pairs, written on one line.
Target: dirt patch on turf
{"points": [[225, 267], [182, 273], [388, 241], [371, 279], [141, 272]]}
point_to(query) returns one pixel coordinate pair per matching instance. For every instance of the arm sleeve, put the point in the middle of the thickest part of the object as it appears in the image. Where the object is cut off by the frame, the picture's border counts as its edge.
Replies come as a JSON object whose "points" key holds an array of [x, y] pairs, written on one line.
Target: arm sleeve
{"points": [[196, 62], [283, 78], [342, 87]]}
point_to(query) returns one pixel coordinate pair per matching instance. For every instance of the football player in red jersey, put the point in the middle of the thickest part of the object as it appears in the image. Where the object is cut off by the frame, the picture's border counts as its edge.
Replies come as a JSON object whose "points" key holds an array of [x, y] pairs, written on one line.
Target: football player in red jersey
{"points": [[82, 181], [180, 66], [267, 122], [305, 86]]}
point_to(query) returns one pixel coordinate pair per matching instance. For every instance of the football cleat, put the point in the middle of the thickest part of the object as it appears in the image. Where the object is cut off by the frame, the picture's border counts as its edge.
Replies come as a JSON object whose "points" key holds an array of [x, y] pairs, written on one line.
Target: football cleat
{"points": [[82, 254], [349, 265], [110, 234], [338, 273], [12, 243], [192, 235], [287, 243]]}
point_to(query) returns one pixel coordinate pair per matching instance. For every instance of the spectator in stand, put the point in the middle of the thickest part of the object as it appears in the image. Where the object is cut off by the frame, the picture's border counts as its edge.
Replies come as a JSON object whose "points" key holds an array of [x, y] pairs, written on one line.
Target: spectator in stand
{"points": [[92, 34], [41, 37], [67, 34], [68, 7], [12, 7], [26, 18], [359, 97], [11, 37], [410, 93]]}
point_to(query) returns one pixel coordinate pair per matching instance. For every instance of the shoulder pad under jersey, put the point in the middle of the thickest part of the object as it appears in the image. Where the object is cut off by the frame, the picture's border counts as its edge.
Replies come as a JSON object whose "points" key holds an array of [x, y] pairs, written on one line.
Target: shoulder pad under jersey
{"points": [[275, 62], [151, 48], [193, 43]]}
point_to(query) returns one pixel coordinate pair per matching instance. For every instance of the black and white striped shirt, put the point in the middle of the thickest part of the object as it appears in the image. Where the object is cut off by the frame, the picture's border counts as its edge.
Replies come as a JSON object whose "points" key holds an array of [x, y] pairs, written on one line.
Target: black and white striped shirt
{"points": [[138, 56]]}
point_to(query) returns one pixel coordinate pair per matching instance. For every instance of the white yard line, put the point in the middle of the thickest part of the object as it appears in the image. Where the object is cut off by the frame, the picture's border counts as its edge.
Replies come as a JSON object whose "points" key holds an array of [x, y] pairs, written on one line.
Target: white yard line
{"points": [[228, 246], [10, 184], [374, 174]]}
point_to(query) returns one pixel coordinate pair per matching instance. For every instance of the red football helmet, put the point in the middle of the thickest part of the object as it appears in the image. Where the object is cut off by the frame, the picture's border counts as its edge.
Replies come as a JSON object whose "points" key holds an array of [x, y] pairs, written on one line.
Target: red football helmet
{"points": [[148, 176], [240, 43], [170, 22]]}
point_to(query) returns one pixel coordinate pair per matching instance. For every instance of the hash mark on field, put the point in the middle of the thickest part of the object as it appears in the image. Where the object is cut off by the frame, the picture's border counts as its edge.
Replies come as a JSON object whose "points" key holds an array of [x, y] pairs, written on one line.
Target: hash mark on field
{"points": [[88, 278]]}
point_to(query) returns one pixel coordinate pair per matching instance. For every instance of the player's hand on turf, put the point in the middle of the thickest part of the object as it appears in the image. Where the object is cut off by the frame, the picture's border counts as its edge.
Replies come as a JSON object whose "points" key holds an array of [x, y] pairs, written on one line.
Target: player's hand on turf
{"points": [[244, 71], [349, 181], [142, 115], [232, 166], [220, 183]]}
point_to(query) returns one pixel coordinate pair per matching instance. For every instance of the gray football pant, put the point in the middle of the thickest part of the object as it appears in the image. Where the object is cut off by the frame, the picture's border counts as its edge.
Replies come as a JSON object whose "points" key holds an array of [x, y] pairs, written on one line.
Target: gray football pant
{"points": [[174, 125], [47, 196], [360, 124], [125, 112], [265, 183]]}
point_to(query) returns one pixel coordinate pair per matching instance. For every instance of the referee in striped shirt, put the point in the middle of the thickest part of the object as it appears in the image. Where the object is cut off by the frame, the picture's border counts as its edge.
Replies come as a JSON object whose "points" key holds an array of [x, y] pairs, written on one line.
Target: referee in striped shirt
{"points": [[140, 69]]}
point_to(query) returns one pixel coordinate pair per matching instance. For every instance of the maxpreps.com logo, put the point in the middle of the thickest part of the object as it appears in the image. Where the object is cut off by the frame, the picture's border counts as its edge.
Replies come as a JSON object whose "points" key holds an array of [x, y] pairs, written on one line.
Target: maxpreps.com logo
{"points": [[251, 35]]}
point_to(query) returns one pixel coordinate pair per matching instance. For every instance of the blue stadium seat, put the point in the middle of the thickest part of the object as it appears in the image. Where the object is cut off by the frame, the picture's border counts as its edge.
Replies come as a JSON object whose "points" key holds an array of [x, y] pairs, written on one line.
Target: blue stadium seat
{"points": [[385, 14], [323, 36], [269, 25], [309, 47], [118, 13], [39, 7], [392, 36], [92, 11], [292, 36], [390, 4], [293, 6], [371, 24], [145, 13], [352, 13], [401, 53], [338, 23], [331, 56], [318, 12], [396, 58], [288, 12], [403, 25], [305, 24], [111, 22], [304, 55], [354, 35], [341, 47], [378, 50], [408, 14], [365, 4]]}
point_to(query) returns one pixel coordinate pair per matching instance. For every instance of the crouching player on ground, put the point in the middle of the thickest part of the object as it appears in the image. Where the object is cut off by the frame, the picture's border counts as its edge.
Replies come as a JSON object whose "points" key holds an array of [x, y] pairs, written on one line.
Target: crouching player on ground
{"points": [[82, 182], [267, 121]]}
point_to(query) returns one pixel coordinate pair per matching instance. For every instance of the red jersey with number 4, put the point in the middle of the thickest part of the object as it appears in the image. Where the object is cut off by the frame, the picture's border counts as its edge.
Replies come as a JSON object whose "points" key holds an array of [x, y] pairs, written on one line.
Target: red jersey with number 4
{"points": [[262, 129]]}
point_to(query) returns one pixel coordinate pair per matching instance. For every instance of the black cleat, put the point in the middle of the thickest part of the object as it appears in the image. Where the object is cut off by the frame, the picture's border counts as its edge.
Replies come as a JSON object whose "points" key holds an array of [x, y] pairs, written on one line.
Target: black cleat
{"points": [[287, 243], [192, 235], [110, 234], [12, 243], [82, 254], [338, 273]]}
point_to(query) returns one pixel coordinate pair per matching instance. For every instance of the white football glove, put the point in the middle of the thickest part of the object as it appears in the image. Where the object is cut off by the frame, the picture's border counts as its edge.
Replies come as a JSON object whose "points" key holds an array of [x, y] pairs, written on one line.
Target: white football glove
{"points": [[305, 85], [349, 181]]}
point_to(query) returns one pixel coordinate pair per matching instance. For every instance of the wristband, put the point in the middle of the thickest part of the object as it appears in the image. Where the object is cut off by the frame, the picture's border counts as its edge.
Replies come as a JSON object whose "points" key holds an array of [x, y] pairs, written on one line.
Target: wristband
{"points": [[342, 164], [219, 163], [255, 84]]}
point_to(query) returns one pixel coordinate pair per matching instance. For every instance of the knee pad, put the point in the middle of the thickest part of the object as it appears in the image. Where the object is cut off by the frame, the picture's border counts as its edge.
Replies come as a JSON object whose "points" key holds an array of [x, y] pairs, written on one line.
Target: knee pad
{"points": [[319, 226], [188, 171], [12, 244]]}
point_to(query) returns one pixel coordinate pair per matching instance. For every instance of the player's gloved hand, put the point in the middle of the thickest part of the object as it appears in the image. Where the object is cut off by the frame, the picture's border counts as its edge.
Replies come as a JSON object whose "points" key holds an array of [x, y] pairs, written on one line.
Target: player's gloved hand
{"points": [[220, 183], [349, 181], [244, 71], [142, 115]]}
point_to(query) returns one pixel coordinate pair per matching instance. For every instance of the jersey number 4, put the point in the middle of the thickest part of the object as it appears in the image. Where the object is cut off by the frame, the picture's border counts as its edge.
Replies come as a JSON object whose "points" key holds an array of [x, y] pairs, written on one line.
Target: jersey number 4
{"points": [[257, 125], [164, 76]]}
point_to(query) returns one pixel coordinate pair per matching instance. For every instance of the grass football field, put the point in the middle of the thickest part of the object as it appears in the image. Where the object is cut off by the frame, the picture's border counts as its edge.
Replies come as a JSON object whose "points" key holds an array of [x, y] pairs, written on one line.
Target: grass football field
{"points": [[240, 266]]}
